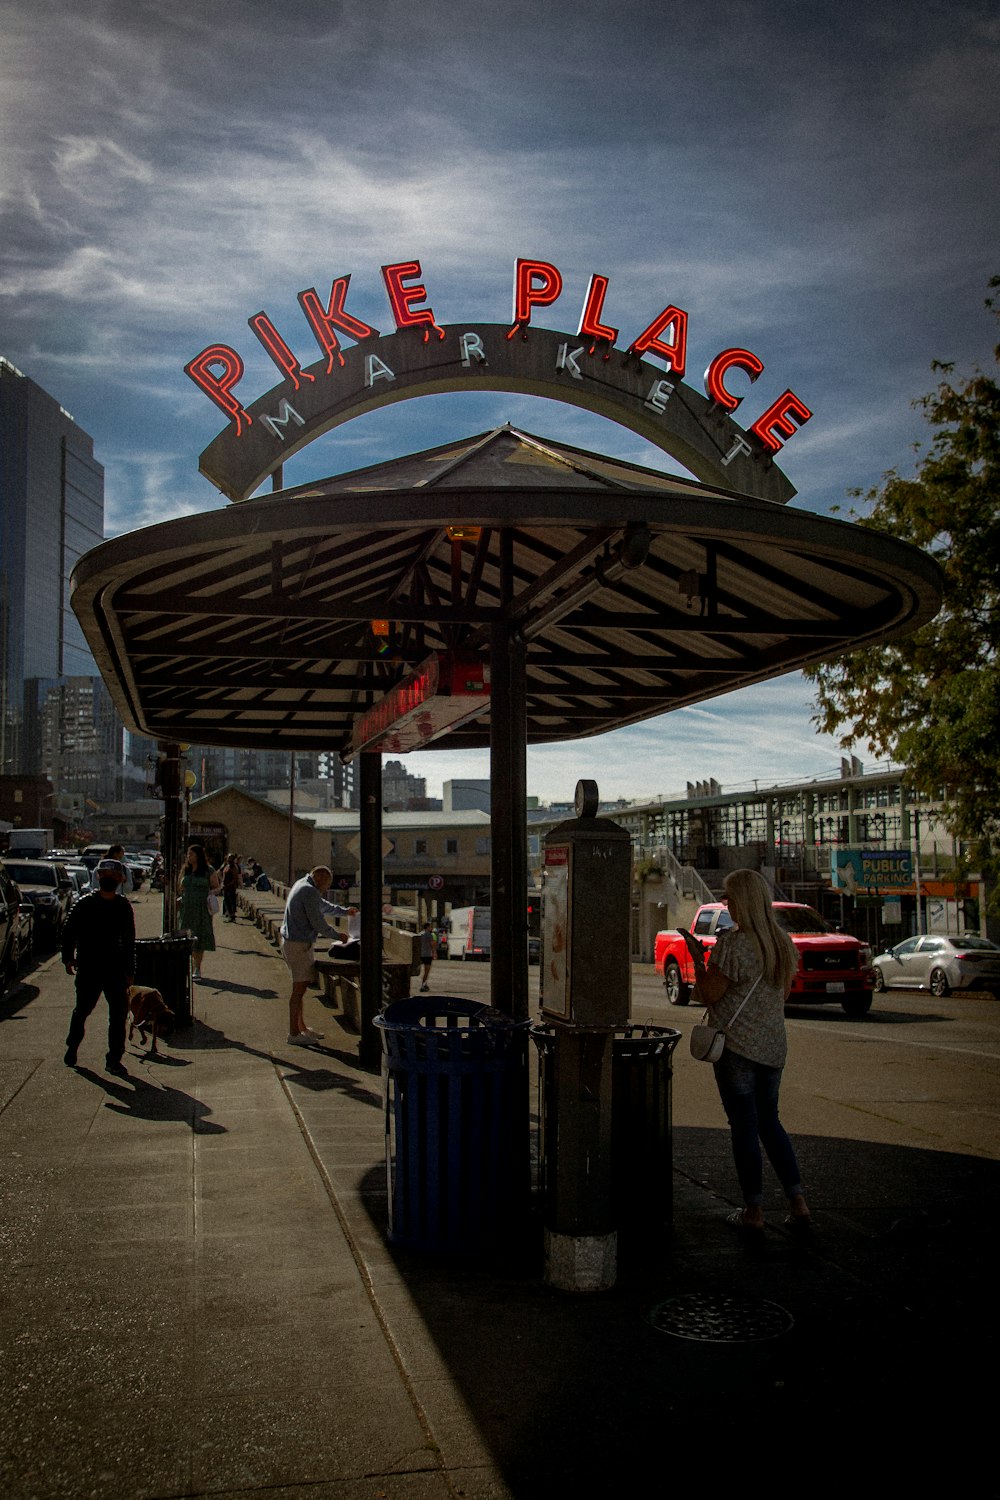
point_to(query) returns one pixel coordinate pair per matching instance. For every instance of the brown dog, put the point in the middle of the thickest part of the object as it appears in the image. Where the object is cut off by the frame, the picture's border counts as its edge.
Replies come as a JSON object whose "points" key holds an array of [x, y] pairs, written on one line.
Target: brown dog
{"points": [[148, 1011]]}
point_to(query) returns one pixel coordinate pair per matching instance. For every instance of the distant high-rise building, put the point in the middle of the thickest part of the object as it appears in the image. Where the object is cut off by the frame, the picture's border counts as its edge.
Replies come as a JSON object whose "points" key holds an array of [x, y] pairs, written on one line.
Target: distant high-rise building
{"points": [[344, 788], [400, 790], [56, 717]]}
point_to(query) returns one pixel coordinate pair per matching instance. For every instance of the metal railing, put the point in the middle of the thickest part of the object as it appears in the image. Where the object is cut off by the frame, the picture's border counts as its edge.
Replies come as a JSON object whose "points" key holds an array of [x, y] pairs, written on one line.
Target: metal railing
{"points": [[685, 879]]}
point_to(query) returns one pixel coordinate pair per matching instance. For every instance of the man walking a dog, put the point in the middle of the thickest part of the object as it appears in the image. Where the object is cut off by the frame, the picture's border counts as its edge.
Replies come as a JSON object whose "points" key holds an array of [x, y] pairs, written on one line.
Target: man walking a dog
{"points": [[98, 949], [306, 913]]}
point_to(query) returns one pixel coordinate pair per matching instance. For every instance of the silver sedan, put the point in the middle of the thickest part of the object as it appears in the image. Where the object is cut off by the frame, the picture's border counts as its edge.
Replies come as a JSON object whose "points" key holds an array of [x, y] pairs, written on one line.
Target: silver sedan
{"points": [[939, 964]]}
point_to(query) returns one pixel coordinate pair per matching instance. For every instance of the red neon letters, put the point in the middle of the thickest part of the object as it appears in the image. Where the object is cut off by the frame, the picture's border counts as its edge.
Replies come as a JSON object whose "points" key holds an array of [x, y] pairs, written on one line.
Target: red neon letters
{"points": [[400, 298], [218, 387], [729, 359], [675, 353], [590, 319], [537, 283], [324, 321], [779, 419], [278, 349]]}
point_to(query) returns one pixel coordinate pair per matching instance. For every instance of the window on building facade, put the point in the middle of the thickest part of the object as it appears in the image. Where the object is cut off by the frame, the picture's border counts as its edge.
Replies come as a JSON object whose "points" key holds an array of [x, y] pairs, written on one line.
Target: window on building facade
{"points": [[451, 846], [482, 845], [420, 846]]}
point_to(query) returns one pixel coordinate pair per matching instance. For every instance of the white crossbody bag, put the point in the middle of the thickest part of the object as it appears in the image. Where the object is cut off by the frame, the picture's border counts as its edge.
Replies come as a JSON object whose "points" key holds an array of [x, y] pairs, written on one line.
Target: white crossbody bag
{"points": [[707, 1042]]}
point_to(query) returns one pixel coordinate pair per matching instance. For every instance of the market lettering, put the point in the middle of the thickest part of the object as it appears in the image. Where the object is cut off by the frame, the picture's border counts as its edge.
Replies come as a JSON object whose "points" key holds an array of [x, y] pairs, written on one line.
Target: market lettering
{"points": [[567, 359], [286, 414], [537, 283], [659, 394]]}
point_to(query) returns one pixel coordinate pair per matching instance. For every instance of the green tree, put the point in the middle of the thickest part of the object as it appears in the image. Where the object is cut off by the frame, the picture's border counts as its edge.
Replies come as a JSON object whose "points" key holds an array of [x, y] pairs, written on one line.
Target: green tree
{"points": [[931, 702]]}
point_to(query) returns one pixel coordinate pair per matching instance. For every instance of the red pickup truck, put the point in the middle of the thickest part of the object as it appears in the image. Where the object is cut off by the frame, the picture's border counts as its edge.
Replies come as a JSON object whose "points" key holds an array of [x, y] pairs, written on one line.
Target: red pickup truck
{"points": [[832, 965]]}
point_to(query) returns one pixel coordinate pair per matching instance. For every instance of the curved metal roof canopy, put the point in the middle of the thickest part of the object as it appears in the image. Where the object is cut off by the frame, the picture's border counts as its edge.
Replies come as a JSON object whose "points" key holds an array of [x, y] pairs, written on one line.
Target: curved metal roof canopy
{"points": [[636, 591]]}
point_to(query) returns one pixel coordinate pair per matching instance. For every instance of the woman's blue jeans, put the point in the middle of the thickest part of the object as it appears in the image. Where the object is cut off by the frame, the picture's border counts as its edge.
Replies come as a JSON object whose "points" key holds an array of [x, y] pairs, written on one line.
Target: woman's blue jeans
{"points": [[749, 1093]]}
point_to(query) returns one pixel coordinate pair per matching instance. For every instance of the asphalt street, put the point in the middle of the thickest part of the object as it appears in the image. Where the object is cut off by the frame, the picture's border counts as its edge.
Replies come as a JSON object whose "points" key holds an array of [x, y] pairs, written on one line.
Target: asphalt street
{"points": [[198, 1297]]}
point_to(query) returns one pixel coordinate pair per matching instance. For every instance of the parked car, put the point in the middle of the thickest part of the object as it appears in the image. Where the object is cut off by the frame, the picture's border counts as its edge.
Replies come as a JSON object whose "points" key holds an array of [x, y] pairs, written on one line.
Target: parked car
{"points": [[16, 930], [940, 963], [47, 885], [80, 876]]}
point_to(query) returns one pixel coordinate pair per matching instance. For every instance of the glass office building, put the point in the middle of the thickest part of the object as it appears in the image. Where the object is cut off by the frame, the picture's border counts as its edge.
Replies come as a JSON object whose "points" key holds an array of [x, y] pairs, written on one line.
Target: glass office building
{"points": [[56, 717]]}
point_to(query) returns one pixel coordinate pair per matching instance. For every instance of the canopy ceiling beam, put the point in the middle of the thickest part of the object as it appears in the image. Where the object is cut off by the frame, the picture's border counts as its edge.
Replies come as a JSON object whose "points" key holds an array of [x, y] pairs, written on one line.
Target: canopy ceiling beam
{"points": [[182, 606]]}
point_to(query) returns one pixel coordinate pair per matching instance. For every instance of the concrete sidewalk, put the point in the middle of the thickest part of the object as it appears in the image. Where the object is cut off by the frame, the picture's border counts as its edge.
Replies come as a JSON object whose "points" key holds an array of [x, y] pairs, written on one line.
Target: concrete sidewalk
{"points": [[198, 1297]]}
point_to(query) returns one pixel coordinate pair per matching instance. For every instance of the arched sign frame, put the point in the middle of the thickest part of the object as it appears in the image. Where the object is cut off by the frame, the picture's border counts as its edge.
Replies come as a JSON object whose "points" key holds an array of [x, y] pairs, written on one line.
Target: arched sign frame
{"points": [[480, 357]]}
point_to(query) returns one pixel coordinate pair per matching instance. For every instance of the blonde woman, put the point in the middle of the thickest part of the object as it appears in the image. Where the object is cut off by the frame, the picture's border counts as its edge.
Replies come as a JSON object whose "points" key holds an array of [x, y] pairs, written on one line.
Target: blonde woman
{"points": [[753, 961]]}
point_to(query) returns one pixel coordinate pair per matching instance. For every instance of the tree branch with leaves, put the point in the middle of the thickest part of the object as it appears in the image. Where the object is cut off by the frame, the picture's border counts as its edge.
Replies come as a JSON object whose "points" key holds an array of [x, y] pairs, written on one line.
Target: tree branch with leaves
{"points": [[931, 702]]}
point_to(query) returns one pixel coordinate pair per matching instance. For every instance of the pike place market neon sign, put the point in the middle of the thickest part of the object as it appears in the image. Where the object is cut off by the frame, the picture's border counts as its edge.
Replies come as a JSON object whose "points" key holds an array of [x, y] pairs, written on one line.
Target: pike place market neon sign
{"points": [[422, 357]]}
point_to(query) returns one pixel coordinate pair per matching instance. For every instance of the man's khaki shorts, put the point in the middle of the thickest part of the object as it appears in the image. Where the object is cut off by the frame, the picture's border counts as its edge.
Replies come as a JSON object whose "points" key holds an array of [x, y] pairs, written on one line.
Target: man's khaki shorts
{"points": [[299, 958]]}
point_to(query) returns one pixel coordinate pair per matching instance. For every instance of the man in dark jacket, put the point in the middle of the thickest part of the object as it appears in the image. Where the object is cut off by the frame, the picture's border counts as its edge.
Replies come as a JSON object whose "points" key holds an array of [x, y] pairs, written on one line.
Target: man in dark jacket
{"points": [[98, 947]]}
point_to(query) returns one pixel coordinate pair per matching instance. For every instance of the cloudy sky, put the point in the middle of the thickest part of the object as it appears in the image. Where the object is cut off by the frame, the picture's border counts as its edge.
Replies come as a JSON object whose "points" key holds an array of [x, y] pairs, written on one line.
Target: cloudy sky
{"points": [[816, 183]]}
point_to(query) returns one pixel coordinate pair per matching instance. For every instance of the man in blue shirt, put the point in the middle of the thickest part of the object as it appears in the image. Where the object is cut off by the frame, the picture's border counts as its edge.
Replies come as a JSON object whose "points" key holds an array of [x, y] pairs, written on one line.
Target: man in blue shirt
{"points": [[306, 913]]}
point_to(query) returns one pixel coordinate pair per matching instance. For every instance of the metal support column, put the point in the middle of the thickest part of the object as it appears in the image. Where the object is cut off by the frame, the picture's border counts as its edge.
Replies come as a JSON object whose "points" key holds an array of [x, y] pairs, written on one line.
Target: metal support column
{"points": [[508, 804], [173, 829], [580, 1240], [369, 1047]]}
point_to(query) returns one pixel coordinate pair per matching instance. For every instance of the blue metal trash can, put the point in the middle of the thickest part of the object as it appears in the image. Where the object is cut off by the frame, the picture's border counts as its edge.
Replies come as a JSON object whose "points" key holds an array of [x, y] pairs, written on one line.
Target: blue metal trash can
{"points": [[455, 1089]]}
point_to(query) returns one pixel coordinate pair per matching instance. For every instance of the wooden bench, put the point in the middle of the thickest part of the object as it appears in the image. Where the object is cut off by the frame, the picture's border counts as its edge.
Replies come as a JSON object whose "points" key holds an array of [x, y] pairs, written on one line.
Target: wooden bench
{"points": [[341, 979]]}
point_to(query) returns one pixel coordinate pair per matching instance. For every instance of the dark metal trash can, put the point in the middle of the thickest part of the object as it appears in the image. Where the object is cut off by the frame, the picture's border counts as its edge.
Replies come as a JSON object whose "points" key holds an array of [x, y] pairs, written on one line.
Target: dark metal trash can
{"points": [[164, 964], [641, 1123], [455, 1090]]}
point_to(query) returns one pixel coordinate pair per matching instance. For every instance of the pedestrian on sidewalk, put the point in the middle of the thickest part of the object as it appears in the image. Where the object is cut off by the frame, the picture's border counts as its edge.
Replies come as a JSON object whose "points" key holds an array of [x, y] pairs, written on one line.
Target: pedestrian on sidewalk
{"points": [[115, 852], [198, 888], [98, 949], [232, 879], [426, 956], [744, 985], [306, 914]]}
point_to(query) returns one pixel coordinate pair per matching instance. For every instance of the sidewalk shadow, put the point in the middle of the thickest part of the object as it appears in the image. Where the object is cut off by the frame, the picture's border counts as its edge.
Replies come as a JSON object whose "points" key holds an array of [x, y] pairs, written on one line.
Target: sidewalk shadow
{"points": [[146, 1101], [322, 1080], [159, 1059], [228, 987], [250, 953], [203, 1037], [583, 1391], [17, 1000]]}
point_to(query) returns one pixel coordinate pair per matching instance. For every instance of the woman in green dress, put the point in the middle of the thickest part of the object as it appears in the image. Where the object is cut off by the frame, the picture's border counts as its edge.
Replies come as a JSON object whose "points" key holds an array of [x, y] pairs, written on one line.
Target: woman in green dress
{"points": [[198, 881]]}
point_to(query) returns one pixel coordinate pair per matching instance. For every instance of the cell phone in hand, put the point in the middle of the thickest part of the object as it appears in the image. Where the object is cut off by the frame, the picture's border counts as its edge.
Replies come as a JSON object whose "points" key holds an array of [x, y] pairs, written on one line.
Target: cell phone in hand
{"points": [[694, 947]]}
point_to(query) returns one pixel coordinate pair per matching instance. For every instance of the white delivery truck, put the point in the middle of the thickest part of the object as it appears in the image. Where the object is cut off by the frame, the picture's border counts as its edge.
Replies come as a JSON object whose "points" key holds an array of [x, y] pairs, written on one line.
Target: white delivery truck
{"points": [[29, 843], [469, 933]]}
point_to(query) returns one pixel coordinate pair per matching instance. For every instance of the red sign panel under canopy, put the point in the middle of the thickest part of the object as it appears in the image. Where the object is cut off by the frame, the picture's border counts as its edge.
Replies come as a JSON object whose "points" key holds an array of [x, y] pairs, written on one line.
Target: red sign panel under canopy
{"points": [[444, 691]]}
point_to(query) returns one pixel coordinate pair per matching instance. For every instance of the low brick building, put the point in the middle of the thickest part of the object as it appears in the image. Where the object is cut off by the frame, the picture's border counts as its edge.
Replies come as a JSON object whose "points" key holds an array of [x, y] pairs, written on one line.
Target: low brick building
{"points": [[432, 860]]}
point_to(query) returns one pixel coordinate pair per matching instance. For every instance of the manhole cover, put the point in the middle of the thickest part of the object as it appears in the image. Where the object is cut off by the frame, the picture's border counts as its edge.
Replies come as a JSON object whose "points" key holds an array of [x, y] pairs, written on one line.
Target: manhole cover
{"points": [[716, 1318]]}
